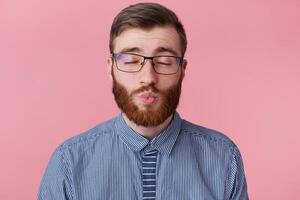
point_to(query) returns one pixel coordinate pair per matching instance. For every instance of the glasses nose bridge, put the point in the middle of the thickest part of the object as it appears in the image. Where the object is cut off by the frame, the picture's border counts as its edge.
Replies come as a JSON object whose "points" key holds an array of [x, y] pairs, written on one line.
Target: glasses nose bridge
{"points": [[147, 58]]}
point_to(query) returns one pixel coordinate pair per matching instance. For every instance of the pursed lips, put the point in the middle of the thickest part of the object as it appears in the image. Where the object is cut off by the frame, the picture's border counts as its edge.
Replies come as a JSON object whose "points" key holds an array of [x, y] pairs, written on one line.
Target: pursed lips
{"points": [[148, 97]]}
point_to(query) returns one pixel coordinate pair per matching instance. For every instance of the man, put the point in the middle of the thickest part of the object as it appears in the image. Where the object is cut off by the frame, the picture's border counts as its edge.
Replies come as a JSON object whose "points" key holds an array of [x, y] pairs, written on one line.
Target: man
{"points": [[147, 152]]}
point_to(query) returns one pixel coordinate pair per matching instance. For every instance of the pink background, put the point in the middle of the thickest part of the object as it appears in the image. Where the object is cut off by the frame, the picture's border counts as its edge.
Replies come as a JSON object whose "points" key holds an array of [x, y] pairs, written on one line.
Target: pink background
{"points": [[242, 79]]}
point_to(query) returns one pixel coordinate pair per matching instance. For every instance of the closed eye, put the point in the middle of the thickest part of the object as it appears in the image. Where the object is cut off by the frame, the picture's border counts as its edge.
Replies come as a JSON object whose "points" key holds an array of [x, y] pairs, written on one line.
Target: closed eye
{"points": [[131, 62], [164, 63]]}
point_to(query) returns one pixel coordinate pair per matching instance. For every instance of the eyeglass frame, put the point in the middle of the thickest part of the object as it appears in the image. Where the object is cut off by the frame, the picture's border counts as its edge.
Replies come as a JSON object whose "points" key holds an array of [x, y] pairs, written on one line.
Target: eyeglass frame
{"points": [[180, 59]]}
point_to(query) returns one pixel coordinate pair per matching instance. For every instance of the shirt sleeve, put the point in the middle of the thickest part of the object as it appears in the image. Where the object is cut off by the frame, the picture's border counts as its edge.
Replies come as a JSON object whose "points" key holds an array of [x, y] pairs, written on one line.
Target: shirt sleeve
{"points": [[236, 186], [56, 182]]}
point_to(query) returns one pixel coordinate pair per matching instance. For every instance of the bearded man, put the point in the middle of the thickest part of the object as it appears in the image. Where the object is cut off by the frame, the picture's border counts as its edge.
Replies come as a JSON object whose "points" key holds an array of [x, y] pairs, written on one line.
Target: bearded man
{"points": [[146, 152]]}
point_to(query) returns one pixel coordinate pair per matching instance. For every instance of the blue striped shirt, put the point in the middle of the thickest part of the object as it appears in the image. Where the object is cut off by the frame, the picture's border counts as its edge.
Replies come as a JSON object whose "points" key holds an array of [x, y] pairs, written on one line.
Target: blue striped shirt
{"points": [[105, 163]]}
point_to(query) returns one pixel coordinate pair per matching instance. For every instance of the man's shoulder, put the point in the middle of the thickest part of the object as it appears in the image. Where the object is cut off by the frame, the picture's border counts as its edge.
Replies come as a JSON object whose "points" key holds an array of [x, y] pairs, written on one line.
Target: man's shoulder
{"points": [[201, 133], [89, 136]]}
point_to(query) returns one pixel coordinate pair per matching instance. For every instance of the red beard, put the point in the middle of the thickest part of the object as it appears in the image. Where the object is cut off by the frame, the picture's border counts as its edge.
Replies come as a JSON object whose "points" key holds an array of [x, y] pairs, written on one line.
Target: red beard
{"points": [[147, 117]]}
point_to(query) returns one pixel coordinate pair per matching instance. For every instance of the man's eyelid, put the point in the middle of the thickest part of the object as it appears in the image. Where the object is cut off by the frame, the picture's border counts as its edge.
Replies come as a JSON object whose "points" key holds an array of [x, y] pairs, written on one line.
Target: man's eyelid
{"points": [[166, 55]]}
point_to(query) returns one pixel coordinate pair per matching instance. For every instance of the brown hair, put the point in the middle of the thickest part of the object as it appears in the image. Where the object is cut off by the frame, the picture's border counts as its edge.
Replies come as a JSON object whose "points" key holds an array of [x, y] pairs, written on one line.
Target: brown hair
{"points": [[146, 15]]}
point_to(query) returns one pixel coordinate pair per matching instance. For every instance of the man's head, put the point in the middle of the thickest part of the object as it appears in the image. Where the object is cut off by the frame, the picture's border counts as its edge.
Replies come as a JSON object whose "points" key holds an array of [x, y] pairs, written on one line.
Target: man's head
{"points": [[146, 16], [147, 43]]}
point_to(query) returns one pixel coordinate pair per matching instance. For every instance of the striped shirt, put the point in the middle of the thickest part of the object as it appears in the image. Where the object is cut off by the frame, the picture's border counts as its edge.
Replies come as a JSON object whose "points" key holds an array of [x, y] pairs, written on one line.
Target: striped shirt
{"points": [[105, 163]]}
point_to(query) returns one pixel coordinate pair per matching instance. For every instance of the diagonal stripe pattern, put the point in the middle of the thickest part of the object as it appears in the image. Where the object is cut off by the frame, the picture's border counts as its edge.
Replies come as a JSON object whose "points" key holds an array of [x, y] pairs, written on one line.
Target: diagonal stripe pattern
{"points": [[149, 174]]}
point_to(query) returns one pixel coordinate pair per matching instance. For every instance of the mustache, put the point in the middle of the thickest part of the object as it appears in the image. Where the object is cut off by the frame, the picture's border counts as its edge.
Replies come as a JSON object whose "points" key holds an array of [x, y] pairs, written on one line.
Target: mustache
{"points": [[145, 88]]}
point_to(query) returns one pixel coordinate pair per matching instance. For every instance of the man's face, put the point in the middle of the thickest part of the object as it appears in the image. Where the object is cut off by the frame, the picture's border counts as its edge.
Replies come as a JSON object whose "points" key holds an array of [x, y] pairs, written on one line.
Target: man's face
{"points": [[147, 98]]}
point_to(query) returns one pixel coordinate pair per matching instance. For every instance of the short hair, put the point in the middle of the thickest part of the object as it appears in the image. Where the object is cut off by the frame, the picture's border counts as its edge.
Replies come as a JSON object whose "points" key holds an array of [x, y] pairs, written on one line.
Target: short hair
{"points": [[146, 15]]}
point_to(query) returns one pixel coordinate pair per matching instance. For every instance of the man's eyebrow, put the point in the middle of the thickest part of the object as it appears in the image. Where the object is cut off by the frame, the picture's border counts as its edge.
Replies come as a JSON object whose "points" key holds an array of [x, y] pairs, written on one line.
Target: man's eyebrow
{"points": [[156, 51], [164, 50], [130, 49]]}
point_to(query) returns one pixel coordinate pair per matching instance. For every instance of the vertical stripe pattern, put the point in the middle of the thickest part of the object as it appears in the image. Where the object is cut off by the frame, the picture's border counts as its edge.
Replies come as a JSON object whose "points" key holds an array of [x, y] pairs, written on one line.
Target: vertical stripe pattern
{"points": [[149, 160]]}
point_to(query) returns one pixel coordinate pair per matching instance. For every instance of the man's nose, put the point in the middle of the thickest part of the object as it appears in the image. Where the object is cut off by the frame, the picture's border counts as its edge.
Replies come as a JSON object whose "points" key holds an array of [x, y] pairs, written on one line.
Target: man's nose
{"points": [[147, 74]]}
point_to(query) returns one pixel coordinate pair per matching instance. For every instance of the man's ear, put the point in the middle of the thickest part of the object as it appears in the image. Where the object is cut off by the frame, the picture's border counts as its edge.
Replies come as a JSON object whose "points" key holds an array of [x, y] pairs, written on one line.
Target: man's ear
{"points": [[110, 64], [184, 64]]}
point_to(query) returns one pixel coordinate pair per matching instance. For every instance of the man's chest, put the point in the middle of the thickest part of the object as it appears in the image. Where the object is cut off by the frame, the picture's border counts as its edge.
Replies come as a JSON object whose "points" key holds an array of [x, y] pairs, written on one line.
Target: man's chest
{"points": [[123, 179]]}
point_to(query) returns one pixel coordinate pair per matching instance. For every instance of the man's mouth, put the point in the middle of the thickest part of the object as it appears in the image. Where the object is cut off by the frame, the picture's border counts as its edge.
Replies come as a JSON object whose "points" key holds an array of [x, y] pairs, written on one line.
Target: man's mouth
{"points": [[147, 97]]}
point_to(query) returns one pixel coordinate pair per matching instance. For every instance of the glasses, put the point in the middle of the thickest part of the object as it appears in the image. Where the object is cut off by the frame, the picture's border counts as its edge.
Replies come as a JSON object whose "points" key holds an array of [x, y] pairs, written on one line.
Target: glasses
{"points": [[131, 63]]}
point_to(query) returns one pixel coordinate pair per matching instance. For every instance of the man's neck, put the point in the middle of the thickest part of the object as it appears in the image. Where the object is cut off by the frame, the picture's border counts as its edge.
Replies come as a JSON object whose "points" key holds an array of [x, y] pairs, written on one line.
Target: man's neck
{"points": [[148, 132]]}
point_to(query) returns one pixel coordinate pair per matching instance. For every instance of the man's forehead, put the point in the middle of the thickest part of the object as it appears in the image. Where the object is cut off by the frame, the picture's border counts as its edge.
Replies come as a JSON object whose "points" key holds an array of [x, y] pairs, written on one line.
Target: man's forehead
{"points": [[158, 39]]}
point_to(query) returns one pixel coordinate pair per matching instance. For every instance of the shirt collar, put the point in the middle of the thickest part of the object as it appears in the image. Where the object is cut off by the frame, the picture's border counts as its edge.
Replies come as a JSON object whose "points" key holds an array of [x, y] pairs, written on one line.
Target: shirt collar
{"points": [[164, 142]]}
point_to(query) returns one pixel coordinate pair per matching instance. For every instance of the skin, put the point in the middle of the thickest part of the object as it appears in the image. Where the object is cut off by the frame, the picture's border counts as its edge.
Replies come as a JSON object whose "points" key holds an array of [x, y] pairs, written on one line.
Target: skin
{"points": [[148, 42]]}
